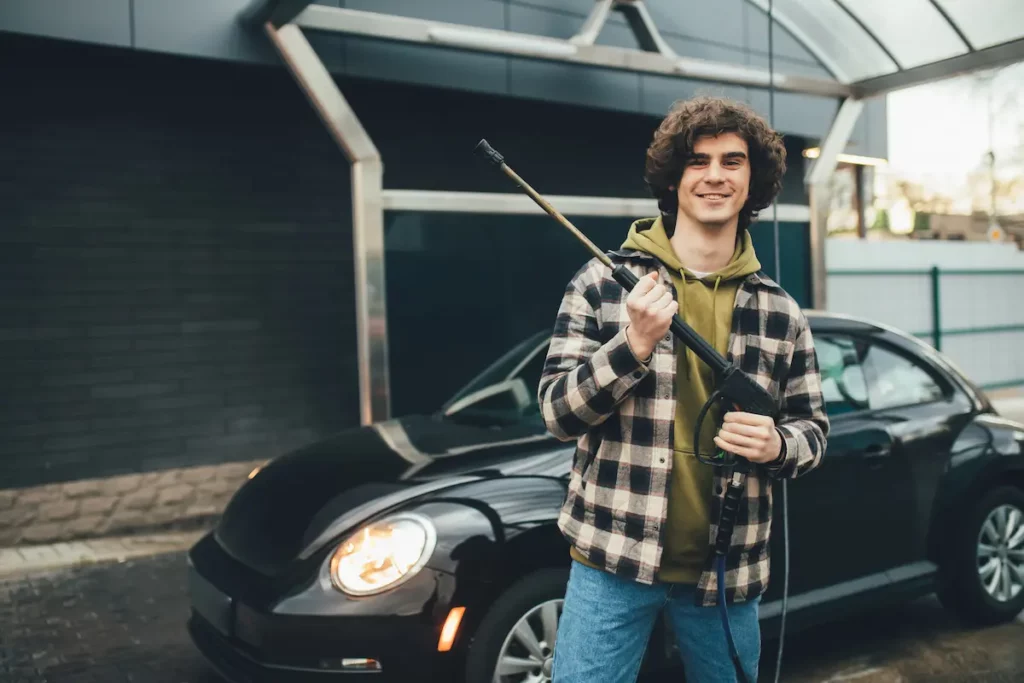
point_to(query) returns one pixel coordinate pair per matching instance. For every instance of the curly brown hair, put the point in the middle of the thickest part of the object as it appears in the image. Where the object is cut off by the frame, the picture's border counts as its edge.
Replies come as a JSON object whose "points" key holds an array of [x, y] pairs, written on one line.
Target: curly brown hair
{"points": [[689, 120]]}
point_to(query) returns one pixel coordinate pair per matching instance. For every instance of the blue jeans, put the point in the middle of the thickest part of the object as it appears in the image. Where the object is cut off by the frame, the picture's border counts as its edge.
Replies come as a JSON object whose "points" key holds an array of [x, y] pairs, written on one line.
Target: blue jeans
{"points": [[607, 621]]}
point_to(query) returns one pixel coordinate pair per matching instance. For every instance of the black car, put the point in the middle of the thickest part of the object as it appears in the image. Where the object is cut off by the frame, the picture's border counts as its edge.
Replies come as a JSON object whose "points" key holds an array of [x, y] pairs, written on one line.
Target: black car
{"points": [[425, 548]]}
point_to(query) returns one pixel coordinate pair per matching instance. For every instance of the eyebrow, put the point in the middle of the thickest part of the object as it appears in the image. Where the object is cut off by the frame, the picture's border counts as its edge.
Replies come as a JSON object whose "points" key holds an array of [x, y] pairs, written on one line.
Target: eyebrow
{"points": [[727, 155]]}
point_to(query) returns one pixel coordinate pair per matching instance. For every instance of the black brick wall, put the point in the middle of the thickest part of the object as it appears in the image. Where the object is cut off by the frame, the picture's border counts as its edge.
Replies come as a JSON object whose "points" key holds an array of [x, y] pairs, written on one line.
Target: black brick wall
{"points": [[175, 265]]}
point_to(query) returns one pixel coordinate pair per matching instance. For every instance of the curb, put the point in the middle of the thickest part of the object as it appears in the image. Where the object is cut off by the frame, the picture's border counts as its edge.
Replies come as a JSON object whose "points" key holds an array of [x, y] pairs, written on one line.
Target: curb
{"points": [[24, 560]]}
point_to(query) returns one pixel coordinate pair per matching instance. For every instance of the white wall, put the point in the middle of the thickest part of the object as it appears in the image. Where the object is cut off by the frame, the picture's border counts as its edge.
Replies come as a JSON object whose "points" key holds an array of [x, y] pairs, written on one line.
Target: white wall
{"points": [[854, 254], [992, 357]]}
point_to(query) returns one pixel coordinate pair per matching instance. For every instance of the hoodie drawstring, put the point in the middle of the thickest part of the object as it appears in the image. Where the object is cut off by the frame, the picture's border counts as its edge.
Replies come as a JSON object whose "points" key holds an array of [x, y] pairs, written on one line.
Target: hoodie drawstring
{"points": [[714, 313], [682, 308]]}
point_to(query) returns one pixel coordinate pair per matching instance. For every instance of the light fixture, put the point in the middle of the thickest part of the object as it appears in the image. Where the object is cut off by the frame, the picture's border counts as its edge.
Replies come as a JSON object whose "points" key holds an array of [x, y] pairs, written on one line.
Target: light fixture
{"points": [[815, 152], [498, 41], [383, 554]]}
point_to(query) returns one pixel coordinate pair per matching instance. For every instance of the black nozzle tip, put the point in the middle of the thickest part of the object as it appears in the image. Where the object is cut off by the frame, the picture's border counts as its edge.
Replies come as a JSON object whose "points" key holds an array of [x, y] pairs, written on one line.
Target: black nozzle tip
{"points": [[484, 149]]}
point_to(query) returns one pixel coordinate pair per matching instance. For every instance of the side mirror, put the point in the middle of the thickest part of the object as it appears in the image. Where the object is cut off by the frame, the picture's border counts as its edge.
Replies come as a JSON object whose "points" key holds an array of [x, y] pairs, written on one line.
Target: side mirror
{"points": [[510, 395]]}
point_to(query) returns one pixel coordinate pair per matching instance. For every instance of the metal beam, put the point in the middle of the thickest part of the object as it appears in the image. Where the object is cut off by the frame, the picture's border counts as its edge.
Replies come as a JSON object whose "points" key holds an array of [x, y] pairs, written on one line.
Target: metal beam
{"points": [[956, 27], [493, 41], [640, 21], [987, 58], [591, 28], [822, 55], [367, 214], [817, 180], [841, 4], [277, 12], [442, 201], [822, 167]]}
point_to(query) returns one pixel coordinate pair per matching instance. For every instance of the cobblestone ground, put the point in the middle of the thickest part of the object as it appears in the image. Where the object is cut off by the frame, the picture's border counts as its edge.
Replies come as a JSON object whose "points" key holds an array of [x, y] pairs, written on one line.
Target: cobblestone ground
{"points": [[116, 623], [109, 623]]}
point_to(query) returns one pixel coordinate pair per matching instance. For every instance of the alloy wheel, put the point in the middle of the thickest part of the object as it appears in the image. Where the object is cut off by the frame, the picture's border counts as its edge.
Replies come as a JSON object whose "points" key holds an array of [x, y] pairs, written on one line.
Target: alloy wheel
{"points": [[1001, 553], [527, 654]]}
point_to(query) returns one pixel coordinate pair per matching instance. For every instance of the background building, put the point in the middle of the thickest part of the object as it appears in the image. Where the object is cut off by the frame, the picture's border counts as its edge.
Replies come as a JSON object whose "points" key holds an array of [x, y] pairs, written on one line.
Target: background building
{"points": [[176, 228]]}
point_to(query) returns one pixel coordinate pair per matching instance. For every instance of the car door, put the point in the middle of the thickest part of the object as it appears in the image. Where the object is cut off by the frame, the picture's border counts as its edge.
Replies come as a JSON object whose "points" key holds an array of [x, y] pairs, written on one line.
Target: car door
{"points": [[833, 525], [922, 413]]}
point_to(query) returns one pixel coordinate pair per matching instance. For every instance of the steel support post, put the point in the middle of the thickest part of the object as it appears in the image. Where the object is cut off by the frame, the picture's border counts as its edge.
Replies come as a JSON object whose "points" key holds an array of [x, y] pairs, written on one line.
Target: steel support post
{"points": [[367, 214]]}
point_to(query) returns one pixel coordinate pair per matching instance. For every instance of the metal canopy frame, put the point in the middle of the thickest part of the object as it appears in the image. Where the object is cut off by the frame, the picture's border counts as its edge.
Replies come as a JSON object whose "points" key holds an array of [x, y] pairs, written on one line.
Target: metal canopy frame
{"points": [[283, 21]]}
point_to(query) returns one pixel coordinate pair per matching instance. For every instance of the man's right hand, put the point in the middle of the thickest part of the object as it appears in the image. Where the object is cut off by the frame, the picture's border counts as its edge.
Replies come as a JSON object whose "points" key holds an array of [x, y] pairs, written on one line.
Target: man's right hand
{"points": [[650, 306]]}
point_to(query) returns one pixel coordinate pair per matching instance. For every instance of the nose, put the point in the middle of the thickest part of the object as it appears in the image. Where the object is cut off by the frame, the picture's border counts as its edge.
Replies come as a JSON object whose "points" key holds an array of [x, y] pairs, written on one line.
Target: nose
{"points": [[714, 173]]}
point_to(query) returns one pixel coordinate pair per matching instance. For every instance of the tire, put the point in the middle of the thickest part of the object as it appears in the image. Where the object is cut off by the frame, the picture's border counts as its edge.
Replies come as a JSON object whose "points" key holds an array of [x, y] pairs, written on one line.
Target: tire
{"points": [[978, 580], [531, 598]]}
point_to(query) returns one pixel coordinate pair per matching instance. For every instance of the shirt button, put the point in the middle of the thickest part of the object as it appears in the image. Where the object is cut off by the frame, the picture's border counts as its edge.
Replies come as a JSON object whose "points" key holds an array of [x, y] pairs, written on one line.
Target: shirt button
{"points": [[661, 459], [638, 374]]}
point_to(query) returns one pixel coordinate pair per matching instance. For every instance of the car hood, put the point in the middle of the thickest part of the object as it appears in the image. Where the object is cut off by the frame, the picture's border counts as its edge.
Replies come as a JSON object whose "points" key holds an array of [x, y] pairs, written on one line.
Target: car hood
{"points": [[302, 500]]}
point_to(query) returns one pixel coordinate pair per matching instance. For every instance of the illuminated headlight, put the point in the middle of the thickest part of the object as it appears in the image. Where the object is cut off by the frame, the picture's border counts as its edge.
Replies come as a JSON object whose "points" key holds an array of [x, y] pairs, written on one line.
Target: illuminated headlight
{"points": [[383, 554]]}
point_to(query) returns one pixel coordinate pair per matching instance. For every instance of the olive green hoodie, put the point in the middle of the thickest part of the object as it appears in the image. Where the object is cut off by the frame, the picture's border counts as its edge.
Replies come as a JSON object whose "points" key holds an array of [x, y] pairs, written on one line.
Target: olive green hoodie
{"points": [[706, 304]]}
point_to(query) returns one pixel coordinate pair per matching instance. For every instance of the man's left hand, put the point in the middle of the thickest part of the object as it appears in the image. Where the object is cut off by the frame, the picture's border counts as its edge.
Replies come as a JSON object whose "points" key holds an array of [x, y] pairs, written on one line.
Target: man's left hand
{"points": [[749, 436]]}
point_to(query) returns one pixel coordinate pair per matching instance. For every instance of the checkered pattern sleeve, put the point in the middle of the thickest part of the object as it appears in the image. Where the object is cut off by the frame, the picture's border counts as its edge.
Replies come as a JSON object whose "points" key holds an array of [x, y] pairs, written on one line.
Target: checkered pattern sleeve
{"points": [[803, 422], [584, 379]]}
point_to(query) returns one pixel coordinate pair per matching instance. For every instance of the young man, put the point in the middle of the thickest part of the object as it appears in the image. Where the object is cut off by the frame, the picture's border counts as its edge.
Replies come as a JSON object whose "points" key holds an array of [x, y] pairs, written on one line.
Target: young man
{"points": [[641, 511]]}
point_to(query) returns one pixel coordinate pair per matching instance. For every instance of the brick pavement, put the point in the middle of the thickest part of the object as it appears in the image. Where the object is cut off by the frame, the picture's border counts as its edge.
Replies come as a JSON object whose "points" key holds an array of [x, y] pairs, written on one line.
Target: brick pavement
{"points": [[29, 559], [177, 499], [109, 623]]}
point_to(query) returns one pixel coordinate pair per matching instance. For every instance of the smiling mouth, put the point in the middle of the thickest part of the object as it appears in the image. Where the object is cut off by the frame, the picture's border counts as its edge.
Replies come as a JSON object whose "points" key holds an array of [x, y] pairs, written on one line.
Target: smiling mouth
{"points": [[713, 195]]}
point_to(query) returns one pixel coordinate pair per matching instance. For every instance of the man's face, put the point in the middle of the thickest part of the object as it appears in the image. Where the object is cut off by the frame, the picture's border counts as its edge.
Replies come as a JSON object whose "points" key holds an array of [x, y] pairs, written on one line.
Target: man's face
{"points": [[716, 181]]}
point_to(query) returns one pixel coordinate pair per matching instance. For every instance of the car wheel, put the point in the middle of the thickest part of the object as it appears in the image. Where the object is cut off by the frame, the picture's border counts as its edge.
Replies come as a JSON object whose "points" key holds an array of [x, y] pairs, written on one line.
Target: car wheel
{"points": [[515, 642], [984, 580]]}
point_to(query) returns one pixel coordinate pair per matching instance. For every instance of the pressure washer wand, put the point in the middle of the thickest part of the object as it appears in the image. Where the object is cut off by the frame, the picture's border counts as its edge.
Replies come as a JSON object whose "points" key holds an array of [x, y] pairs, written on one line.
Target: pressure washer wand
{"points": [[622, 275], [734, 387]]}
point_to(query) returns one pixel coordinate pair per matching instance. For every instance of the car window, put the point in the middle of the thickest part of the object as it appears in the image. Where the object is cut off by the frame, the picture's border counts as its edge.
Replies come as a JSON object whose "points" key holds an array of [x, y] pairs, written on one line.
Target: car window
{"points": [[530, 374], [896, 380], [507, 394], [842, 376], [500, 369]]}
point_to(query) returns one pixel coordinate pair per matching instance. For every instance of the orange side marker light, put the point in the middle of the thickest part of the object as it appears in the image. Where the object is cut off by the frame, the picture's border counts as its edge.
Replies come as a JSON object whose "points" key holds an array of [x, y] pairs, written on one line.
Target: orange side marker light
{"points": [[450, 628]]}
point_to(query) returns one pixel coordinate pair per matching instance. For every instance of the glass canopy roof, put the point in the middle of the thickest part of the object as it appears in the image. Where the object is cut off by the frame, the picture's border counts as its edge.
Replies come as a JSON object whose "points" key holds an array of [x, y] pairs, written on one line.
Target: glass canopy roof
{"points": [[870, 47], [862, 39]]}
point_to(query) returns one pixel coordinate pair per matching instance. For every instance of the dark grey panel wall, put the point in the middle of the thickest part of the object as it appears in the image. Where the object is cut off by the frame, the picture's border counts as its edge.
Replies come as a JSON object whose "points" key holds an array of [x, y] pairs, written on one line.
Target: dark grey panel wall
{"points": [[733, 31], [199, 27], [94, 21]]}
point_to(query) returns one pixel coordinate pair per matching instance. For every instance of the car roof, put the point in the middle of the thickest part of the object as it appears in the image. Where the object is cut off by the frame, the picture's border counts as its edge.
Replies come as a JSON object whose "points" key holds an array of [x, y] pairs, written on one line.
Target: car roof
{"points": [[842, 322]]}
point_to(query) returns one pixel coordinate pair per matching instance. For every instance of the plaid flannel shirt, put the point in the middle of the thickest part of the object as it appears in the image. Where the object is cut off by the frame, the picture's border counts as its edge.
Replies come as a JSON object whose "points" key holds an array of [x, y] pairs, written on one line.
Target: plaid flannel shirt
{"points": [[594, 390]]}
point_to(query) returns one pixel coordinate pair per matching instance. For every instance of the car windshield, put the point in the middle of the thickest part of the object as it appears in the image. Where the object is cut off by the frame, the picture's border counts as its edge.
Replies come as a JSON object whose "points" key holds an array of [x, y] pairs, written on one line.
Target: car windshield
{"points": [[506, 391]]}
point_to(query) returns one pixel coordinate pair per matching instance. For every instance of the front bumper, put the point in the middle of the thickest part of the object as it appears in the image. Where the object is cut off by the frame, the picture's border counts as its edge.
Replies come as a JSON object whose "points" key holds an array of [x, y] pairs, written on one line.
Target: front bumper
{"points": [[240, 664], [315, 634]]}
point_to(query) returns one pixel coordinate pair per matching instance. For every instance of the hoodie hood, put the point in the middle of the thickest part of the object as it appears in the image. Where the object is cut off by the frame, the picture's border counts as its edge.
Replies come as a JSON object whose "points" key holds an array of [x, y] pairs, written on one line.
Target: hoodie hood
{"points": [[649, 235]]}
